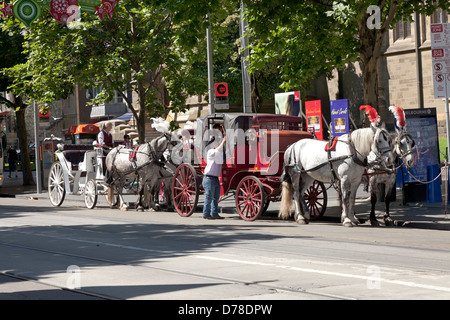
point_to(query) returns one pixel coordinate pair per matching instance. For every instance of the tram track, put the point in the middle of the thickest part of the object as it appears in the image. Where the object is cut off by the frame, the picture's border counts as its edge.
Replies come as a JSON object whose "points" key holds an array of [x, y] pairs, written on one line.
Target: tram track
{"points": [[270, 288], [173, 248]]}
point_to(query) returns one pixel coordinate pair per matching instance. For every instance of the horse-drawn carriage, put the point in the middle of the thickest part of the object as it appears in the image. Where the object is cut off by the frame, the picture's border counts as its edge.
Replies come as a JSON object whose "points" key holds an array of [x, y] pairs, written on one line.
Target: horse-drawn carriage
{"points": [[78, 171], [252, 167]]}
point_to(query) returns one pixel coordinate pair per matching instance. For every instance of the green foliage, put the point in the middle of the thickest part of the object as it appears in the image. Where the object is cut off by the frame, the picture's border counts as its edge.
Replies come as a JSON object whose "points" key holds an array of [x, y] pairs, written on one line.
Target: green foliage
{"points": [[299, 38], [144, 41]]}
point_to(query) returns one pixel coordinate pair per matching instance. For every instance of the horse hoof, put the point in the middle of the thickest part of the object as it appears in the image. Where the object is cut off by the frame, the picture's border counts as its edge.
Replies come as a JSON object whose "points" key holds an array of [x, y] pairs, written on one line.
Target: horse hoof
{"points": [[123, 209], [389, 222], [374, 223], [301, 222], [152, 210], [348, 224]]}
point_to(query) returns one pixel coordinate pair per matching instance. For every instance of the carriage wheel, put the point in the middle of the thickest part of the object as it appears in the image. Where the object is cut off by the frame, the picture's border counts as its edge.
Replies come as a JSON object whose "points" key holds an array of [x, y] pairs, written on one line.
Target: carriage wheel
{"points": [[56, 186], [316, 199], [90, 194], [185, 190], [250, 201]]}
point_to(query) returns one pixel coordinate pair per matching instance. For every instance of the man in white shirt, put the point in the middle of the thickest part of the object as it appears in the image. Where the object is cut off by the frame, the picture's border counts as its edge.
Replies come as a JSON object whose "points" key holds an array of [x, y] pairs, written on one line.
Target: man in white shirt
{"points": [[105, 138], [211, 184]]}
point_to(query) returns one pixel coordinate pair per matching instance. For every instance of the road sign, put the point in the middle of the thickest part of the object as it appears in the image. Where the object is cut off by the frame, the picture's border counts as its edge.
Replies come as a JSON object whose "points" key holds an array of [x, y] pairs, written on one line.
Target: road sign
{"points": [[221, 89], [221, 99], [440, 55]]}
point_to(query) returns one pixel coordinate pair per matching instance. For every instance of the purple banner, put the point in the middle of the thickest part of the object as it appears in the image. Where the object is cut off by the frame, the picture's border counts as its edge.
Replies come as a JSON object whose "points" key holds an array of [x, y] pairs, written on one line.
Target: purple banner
{"points": [[339, 117]]}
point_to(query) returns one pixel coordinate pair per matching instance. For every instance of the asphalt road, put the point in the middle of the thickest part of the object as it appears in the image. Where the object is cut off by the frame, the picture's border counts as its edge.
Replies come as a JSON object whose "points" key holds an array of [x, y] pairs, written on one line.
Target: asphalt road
{"points": [[74, 253]]}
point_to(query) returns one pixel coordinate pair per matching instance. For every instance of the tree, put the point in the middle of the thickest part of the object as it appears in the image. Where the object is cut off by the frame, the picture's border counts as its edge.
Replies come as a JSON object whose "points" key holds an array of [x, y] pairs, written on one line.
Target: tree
{"points": [[297, 37], [313, 37], [10, 56], [146, 47]]}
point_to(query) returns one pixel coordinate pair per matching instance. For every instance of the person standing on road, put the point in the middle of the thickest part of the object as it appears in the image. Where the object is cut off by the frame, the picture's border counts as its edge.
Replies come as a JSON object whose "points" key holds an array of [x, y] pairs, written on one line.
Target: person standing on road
{"points": [[211, 184], [12, 159]]}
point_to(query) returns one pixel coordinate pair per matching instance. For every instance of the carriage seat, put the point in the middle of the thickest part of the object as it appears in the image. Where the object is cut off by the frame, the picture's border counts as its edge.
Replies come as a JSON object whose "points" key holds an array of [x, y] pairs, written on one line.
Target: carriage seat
{"points": [[74, 153]]}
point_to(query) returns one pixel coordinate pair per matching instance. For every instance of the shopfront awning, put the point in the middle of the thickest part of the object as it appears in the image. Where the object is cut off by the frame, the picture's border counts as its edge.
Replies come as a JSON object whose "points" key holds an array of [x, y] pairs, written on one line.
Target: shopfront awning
{"points": [[125, 117]]}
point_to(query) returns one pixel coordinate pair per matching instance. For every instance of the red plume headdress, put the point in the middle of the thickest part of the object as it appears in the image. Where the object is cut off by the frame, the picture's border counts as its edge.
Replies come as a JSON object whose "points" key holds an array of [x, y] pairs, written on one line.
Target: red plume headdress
{"points": [[372, 114], [399, 115]]}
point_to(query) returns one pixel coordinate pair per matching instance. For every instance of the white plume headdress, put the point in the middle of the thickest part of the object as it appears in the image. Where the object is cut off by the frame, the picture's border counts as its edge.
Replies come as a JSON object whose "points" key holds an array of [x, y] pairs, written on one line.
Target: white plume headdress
{"points": [[161, 125]]}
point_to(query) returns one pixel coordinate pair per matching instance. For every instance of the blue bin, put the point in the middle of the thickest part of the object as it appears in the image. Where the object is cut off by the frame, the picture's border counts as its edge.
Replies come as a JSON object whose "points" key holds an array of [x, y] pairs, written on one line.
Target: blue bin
{"points": [[434, 193]]}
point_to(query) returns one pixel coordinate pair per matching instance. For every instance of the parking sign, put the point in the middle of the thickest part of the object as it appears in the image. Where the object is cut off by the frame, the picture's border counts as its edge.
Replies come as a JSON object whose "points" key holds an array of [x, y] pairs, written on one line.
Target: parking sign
{"points": [[440, 55]]}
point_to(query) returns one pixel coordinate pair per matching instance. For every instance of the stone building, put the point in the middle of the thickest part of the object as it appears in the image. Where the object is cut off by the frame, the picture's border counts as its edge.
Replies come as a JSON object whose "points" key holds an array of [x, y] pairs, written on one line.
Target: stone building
{"points": [[406, 71]]}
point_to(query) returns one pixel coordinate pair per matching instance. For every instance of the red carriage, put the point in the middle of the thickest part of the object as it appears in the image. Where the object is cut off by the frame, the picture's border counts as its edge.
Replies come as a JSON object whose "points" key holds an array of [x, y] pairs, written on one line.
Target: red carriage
{"points": [[252, 166]]}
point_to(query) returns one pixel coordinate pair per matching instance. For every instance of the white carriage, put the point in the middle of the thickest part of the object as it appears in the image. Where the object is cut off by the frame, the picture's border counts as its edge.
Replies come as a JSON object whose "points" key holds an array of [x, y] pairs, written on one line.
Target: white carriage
{"points": [[77, 171]]}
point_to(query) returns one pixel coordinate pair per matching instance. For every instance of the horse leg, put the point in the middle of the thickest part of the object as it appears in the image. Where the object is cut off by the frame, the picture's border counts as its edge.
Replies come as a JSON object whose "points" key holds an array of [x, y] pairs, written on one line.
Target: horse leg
{"points": [[301, 211], [168, 195], [122, 204], [305, 182], [387, 200], [140, 193], [150, 196], [345, 193], [351, 209], [373, 200]]}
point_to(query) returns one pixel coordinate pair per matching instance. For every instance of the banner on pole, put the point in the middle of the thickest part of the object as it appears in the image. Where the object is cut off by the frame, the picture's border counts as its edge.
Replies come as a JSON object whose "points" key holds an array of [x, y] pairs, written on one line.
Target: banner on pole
{"points": [[313, 110], [339, 117], [288, 103]]}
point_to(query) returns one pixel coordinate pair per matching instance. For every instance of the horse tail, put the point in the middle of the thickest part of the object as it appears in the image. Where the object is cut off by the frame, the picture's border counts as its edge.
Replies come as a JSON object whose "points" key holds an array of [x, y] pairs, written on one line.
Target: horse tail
{"points": [[287, 192]]}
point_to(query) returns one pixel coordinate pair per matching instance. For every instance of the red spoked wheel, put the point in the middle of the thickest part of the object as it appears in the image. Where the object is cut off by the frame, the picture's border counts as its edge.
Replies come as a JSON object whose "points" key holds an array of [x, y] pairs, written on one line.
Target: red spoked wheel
{"points": [[185, 190], [316, 199], [250, 198]]}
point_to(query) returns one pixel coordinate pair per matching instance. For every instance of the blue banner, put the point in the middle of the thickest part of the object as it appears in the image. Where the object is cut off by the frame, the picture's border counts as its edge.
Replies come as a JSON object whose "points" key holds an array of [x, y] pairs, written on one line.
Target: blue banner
{"points": [[339, 117]]}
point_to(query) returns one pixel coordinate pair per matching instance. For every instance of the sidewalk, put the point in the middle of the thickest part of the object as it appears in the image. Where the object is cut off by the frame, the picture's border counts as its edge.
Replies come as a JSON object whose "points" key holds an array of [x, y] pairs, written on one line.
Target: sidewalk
{"points": [[14, 186], [414, 215]]}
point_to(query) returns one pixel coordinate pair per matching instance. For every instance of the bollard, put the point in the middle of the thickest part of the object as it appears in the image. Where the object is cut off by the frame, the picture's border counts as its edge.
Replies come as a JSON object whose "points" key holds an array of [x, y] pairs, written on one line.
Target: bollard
{"points": [[434, 193]]}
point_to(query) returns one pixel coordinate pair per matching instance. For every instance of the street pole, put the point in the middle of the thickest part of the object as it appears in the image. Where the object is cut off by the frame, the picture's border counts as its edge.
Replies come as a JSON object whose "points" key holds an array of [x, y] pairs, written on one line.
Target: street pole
{"points": [[447, 119], [37, 147], [244, 64], [210, 67]]}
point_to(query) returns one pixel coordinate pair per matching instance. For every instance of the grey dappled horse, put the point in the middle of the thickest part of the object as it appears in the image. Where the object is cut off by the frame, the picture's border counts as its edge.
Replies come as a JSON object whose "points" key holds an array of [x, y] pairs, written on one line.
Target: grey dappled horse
{"points": [[146, 169], [402, 148], [306, 161]]}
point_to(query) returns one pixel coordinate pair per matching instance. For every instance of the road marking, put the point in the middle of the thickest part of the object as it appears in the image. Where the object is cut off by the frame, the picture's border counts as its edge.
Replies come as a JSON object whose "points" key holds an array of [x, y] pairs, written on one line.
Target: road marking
{"points": [[331, 273]]}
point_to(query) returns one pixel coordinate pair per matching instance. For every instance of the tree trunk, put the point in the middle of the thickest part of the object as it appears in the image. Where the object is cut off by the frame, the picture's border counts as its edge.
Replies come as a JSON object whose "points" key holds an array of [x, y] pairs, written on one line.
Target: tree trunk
{"points": [[256, 99], [371, 43], [23, 144], [370, 81]]}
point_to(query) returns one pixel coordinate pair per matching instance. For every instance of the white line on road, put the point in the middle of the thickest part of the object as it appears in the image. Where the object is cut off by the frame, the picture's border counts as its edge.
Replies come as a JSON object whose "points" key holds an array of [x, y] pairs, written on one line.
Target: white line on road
{"points": [[331, 273]]}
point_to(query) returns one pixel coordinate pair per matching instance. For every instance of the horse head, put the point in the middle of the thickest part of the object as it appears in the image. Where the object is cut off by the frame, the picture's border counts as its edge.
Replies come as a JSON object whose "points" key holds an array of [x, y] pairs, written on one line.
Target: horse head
{"points": [[381, 147], [404, 142]]}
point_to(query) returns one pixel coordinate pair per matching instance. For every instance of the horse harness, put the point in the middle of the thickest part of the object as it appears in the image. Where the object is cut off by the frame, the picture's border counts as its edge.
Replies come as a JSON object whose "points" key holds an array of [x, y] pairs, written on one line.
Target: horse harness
{"points": [[132, 157]]}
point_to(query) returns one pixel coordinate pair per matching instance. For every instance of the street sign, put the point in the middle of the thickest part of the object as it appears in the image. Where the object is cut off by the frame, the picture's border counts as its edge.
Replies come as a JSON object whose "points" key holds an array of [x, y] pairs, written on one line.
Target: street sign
{"points": [[221, 97], [440, 55], [221, 89]]}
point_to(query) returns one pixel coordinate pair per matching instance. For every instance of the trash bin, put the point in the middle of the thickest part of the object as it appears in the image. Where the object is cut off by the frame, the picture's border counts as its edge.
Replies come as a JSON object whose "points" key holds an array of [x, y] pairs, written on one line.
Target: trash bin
{"points": [[434, 193]]}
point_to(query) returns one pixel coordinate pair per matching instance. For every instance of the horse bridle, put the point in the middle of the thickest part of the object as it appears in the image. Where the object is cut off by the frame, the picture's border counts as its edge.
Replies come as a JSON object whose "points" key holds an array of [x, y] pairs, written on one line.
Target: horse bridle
{"points": [[398, 140]]}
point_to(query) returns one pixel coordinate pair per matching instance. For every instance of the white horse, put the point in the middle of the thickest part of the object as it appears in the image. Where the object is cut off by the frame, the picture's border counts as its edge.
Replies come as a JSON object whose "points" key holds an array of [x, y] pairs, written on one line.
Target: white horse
{"points": [[403, 150], [306, 161], [145, 168]]}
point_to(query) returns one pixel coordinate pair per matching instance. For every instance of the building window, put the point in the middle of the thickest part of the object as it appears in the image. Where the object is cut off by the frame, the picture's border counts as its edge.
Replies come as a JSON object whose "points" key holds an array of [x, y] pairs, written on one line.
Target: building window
{"points": [[93, 92], [436, 16], [402, 30]]}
